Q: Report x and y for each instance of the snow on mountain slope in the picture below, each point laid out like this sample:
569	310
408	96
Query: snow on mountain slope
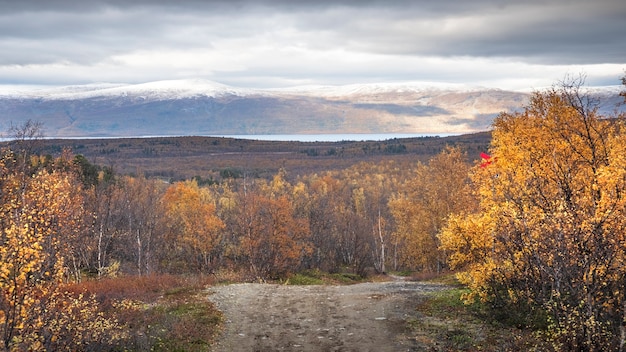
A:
159	90
376	88
201	107
178	89
187	88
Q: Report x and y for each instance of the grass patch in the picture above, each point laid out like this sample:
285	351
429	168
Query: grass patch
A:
445	323
162	312
185	326
304	279
447	304
404	273
346	278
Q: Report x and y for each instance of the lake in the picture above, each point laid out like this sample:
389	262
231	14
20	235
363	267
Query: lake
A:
336	137
331	137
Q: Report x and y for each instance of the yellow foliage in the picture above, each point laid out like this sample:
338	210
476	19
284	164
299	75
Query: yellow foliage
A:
68	323
192	219
550	230
426	200
39	215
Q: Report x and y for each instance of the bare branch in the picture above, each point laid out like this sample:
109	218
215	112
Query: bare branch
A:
25	136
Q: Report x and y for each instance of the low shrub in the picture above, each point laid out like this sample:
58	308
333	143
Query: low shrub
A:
304	279
446	321
161	312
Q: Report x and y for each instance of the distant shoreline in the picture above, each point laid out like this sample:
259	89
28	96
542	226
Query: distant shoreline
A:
333	137
324	137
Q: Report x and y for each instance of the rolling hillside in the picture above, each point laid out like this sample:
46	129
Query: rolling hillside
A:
199	107
175	158
194	107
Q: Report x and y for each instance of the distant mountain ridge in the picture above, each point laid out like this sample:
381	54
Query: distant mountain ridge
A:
200	107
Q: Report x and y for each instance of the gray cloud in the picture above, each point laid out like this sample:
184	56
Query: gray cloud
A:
239	37
584	32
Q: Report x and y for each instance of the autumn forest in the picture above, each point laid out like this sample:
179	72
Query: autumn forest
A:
535	225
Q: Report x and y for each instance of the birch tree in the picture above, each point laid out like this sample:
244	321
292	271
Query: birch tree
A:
550	235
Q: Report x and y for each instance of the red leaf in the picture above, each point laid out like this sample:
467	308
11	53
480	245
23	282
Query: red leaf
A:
487	160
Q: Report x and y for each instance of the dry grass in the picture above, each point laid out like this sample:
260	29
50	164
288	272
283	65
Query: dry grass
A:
445	323
144	288
162	312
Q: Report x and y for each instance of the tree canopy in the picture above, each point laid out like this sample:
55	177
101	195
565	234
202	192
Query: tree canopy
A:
549	235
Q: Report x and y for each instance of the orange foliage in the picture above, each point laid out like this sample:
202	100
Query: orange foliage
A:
273	240
550	232
425	202
192	221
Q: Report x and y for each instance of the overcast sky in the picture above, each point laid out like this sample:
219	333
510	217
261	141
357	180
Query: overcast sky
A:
263	44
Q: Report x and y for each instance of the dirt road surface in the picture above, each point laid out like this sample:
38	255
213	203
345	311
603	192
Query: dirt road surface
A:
361	317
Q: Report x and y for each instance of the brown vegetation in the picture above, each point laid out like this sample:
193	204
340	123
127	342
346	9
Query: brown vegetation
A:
90	222
212	159
539	240
159	312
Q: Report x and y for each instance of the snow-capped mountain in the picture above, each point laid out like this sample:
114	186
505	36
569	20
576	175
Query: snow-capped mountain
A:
159	90
377	88
200	107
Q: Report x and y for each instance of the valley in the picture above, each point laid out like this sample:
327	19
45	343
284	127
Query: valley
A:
214	158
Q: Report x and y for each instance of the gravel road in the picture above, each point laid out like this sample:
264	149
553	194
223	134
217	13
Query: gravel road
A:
361	317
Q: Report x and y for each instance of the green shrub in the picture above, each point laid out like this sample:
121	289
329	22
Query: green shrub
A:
307	277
